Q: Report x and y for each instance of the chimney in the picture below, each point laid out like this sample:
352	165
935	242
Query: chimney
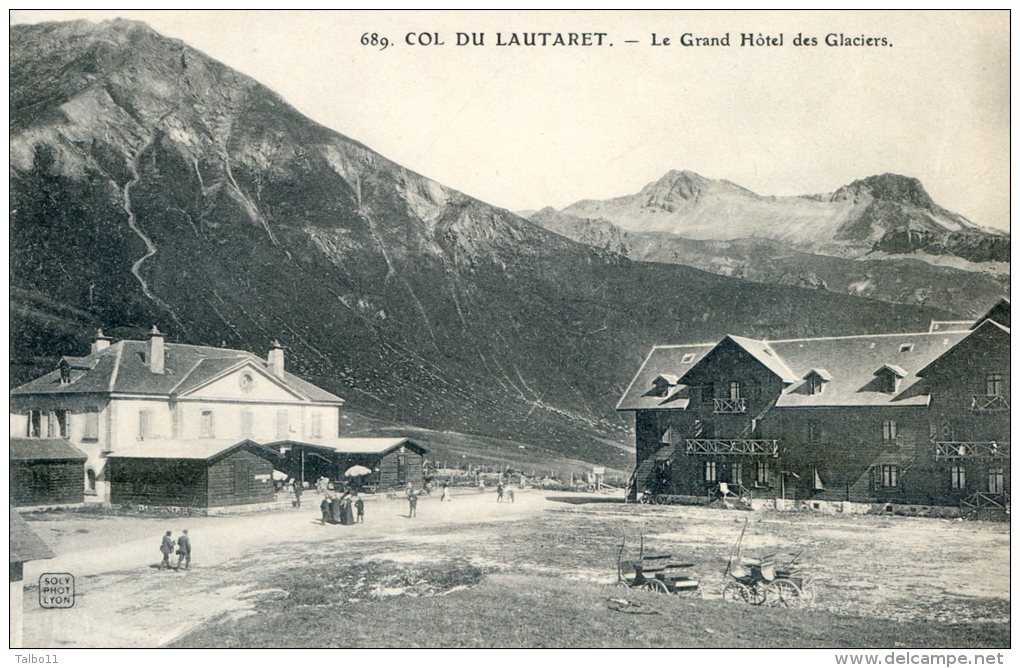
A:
102	342
155	355
275	358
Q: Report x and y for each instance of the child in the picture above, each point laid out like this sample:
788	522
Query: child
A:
359	505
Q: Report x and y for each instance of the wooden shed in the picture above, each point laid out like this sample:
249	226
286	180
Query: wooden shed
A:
394	462
46	472
25	546
192	474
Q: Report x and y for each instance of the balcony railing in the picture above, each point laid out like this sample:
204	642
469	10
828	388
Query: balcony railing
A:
986	500
971	449
733	446
989	403
723	405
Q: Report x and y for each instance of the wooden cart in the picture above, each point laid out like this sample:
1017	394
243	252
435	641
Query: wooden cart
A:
656	572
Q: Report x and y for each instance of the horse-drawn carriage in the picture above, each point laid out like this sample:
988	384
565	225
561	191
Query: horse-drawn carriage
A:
656	572
763	581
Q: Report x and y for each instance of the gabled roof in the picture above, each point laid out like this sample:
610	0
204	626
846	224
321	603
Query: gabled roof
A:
355	446
759	350
661	360
821	373
25	544
27	449
986	328
999	312
121	368
201	449
669	378
850	362
897	371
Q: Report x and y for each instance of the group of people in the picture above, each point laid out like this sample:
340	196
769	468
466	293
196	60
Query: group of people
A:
166	547
504	493
342	508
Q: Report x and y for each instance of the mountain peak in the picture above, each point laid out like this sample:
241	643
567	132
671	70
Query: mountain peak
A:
888	187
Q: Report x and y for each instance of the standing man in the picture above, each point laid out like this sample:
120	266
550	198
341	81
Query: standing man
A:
297	493
184	551
325	507
499	492
359	506
166	547
412	502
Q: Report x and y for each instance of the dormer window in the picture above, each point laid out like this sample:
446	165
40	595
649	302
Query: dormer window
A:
889	377
906	347
816	380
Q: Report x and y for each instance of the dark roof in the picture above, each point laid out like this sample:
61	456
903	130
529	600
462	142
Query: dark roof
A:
356	445
850	361
25	545
988	328
26	449
999	313
202	449
121	368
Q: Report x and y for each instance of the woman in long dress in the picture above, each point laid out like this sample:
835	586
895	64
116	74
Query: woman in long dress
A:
334	509
347	510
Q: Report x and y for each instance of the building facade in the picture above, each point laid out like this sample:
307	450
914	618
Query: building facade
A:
918	418
154	394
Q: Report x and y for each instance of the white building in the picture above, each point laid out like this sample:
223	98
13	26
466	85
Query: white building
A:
129	392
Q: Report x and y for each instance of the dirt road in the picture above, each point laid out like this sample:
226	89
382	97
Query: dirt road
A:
880	567
123	600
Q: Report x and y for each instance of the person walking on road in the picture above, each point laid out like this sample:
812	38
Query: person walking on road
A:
412	502
167	548
445	496
184	551
499	492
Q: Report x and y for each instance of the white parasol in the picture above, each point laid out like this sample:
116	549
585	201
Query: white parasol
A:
357	471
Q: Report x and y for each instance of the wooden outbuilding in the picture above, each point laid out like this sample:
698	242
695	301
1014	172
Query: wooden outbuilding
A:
200	474
46	472
394	462
25	546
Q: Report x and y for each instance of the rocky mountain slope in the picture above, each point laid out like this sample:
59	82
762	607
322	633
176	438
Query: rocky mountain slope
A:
881	237
152	184
900	279
888	212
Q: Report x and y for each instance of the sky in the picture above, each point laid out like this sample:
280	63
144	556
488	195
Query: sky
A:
527	127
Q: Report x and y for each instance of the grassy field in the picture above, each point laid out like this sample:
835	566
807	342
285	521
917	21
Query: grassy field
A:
547	580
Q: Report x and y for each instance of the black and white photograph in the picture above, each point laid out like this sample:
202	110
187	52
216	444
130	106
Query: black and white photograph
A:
510	330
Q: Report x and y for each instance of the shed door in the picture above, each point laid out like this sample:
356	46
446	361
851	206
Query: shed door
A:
242	478
401	469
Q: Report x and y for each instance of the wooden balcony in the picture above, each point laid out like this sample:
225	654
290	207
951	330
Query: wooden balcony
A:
989	403
986	500
971	450
761	447
724	405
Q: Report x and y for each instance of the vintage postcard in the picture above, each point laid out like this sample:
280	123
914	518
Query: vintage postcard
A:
518	329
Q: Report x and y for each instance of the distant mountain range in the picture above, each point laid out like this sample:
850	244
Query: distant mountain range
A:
152	184
881	237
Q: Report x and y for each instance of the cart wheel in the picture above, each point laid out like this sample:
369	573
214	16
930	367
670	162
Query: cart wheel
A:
783	593
657	586
735	592
807	592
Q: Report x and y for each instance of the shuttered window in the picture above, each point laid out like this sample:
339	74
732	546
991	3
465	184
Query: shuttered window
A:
889	431
710	472
994	384
996	480
144	424
247	423
762	473
890	475
957	477
91	430
206	429
737	473
282	424
401	469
